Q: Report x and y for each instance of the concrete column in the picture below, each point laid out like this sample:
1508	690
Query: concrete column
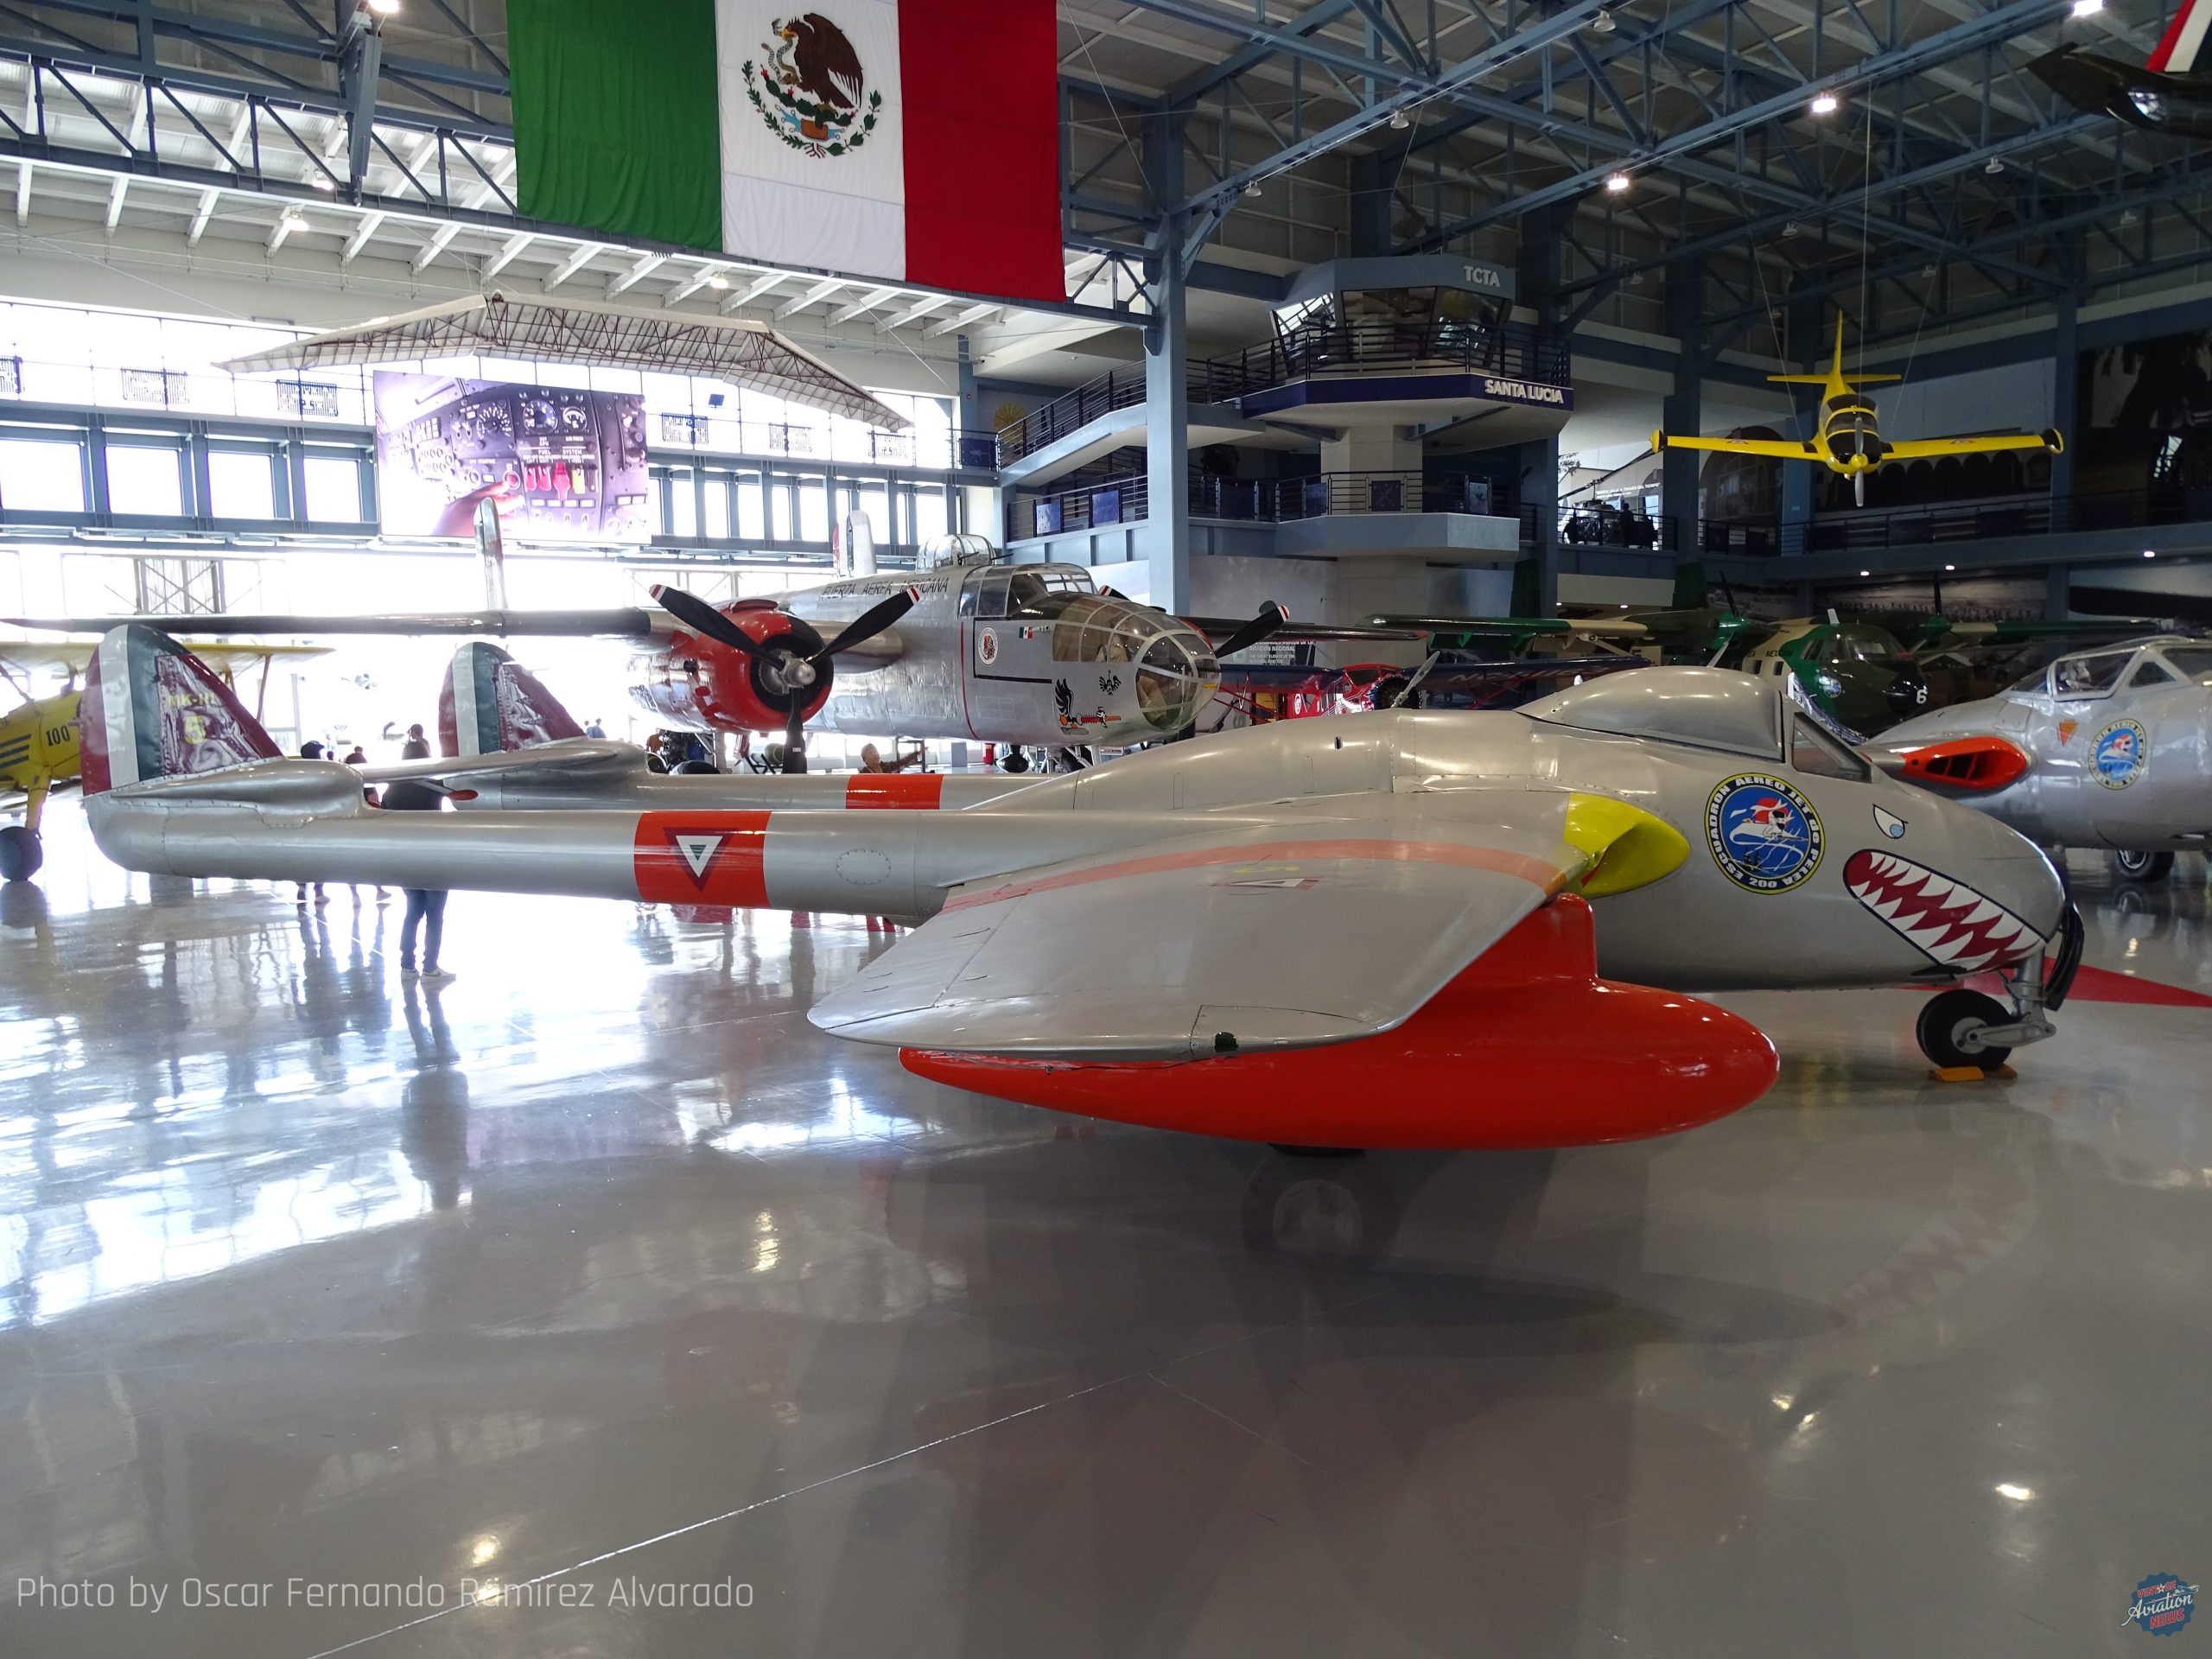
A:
1681	411
1540	495
1166	428
2058	592
1796	505
2064	398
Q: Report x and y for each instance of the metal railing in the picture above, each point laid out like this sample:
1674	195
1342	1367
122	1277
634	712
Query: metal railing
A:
1939	524
1520	350
1254	500
1516	350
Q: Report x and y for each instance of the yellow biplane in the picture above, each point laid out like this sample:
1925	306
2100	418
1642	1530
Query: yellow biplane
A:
38	738
1851	442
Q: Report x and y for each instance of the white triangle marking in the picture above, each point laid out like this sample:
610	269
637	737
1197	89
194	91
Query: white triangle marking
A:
698	852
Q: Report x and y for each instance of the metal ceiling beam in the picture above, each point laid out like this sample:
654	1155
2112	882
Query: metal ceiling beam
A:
1675	153
1414	88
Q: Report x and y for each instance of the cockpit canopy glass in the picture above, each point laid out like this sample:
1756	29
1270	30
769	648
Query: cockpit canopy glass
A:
2191	662
1014	593
1708	707
2090	675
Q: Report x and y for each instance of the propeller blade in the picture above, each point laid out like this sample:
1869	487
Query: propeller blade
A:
795	737
868	624
704	619
1271	617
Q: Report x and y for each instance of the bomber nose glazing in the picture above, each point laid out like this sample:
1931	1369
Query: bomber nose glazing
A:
1174	669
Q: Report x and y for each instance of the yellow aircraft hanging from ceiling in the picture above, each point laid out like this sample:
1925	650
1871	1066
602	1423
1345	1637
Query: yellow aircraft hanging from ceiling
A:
38	738
1851	442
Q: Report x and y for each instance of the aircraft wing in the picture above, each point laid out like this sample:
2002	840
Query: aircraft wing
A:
1934	449
1316	931
616	624
1780	448
1217	628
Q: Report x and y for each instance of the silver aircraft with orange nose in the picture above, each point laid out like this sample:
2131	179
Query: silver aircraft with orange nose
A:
1242	935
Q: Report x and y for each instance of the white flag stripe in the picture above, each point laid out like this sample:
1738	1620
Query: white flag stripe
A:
785	197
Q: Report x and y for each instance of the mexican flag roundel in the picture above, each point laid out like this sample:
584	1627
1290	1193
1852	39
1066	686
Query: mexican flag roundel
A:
916	141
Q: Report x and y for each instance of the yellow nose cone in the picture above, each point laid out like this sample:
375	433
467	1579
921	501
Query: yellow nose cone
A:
1626	846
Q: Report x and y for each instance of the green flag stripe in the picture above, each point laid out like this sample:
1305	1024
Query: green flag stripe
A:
617	122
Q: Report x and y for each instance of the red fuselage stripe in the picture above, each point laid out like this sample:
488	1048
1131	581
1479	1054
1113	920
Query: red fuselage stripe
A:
921	793
1535	871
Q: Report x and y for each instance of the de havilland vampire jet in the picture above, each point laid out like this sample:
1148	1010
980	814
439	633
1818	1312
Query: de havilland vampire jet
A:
2107	748
1023	654
1383	929
1851	443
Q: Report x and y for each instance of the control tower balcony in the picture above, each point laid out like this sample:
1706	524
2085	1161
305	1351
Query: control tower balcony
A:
1362	350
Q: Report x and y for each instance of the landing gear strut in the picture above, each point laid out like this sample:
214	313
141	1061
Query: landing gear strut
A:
1962	1028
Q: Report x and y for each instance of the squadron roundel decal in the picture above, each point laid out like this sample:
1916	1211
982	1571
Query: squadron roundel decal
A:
1764	836
986	647
2120	753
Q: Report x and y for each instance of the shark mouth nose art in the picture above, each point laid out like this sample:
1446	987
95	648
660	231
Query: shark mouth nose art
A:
1950	921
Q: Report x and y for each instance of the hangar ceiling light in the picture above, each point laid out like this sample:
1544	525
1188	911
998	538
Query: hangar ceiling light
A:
749	354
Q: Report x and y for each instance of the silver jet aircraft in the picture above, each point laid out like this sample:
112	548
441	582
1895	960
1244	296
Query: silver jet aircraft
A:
2107	748
1404	898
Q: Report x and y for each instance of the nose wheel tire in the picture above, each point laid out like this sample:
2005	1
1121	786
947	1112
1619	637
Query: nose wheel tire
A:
22	853
1947	1026
2144	867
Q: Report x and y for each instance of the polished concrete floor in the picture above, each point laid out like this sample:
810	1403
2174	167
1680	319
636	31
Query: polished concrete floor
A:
600	1286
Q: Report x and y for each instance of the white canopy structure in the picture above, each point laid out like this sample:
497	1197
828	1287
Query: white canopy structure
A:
748	355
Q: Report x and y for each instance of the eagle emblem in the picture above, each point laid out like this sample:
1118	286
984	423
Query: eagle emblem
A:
810	87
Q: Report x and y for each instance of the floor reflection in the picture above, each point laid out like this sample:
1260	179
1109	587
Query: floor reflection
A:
305	1269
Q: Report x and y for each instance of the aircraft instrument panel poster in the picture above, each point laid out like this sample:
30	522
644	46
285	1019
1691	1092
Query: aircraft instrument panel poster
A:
560	463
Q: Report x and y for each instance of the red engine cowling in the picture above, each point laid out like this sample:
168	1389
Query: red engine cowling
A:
707	686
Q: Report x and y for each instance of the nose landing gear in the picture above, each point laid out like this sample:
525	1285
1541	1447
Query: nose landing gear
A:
1965	1028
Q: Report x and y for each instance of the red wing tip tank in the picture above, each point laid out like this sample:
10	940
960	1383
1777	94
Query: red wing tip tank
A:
1479	1065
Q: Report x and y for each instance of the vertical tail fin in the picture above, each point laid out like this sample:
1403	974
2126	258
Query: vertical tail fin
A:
2183	41
491	703
152	709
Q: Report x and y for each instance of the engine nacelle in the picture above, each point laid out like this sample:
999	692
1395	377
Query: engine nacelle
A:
702	685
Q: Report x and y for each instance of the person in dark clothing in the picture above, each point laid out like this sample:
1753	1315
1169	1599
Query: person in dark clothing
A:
426	906
416	747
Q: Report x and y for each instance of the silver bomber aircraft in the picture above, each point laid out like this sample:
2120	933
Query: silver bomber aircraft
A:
1021	654
2117	745
1373	930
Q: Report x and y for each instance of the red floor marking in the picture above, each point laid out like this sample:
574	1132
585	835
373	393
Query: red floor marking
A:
2103	985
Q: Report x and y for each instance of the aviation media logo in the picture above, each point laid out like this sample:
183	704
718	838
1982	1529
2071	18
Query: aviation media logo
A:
1764	836
2161	1605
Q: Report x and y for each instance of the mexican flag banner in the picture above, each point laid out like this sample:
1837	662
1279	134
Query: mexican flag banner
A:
917	141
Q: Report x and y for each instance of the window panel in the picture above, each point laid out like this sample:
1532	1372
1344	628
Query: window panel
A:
752	511
813	510
779	511
682	504
929	516
241	485
38	475
143	479
333	489
718	506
